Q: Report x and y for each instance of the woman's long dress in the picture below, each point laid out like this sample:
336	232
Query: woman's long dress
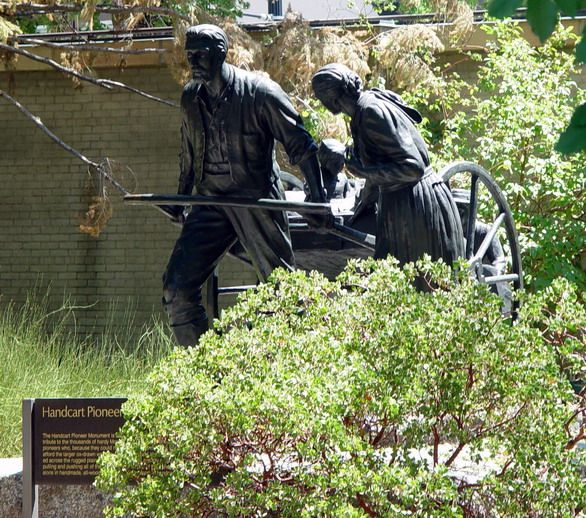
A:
416	213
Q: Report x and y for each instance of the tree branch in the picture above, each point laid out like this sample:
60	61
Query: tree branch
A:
436	442
363	504
502	472
502	423
30	9
379	435
465	486
104	83
99	168
571	444
47	131
580	410
85	47
455	454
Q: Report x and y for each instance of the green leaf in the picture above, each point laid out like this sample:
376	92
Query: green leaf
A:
581	48
573	139
503	8
542	15
568	7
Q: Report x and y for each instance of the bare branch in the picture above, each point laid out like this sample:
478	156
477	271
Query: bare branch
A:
379	435
436	443
455	454
502	423
465	486
104	83
571	444
580	410
47	131
32	9
363	504
84	47
99	168
502	472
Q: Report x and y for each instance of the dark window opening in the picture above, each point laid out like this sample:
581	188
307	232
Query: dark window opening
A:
276	7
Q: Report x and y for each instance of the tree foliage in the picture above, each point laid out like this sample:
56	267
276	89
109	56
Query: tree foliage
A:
361	397
508	121
71	16
543	16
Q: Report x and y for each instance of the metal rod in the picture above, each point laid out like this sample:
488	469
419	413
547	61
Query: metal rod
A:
493	279
79	46
235	289
30	491
212	295
299	227
353	235
472	217
488	238
28	9
224	201
348	233
342	231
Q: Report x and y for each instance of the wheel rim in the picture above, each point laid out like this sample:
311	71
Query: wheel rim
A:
504	217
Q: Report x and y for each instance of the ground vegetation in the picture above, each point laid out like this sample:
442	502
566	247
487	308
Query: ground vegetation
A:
362	397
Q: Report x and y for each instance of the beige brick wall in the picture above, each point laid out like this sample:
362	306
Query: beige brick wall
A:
45	191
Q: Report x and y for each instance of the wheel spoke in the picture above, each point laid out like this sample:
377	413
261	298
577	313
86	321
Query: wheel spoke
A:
472	216
493	279
516	277
480	253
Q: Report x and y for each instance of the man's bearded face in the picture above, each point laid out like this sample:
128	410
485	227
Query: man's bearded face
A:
205	60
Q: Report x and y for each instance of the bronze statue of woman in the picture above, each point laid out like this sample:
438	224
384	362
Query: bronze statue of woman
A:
416	212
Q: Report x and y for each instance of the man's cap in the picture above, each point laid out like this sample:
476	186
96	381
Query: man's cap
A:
206	31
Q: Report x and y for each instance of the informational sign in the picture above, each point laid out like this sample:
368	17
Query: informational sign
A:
68	435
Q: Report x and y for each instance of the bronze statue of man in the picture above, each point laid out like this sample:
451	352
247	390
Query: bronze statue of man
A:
416	212
230	120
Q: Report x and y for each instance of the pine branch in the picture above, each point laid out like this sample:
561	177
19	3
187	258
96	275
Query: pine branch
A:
104	83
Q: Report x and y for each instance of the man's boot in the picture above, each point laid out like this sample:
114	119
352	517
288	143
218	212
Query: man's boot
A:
187	335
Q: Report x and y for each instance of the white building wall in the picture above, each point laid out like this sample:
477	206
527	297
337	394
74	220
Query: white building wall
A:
313	9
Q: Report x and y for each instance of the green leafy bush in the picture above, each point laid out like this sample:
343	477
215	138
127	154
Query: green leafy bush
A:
543	18
362	397
508	122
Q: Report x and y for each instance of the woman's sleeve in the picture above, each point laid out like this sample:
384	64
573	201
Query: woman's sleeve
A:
388	137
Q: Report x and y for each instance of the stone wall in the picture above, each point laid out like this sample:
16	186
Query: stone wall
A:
46	191
53	501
